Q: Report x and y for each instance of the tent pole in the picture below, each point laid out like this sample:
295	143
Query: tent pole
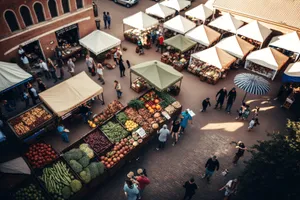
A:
244	97
102	98
130	79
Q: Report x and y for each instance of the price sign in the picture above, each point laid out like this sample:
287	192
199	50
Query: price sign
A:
191	112
141	132
166	115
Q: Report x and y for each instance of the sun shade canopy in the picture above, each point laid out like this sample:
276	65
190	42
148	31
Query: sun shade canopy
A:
140	21
179	24
268	57
176	4
11	75
203	35
158	74
160	10
200	12
292	73
290	42
70	94
215	57
99	41
252	84
180	42
235	46
255	31
227	23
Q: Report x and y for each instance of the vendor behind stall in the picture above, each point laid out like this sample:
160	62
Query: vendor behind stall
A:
63	132
85	112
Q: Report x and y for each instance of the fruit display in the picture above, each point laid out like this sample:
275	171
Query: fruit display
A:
131	125
114	131
141	117
151	101
31	192
122	117
30	120
97	141
59	181
196	66
40	154
158	118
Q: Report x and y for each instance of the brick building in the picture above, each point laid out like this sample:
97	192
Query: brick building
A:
41	25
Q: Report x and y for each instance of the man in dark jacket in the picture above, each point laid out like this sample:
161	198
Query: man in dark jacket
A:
205	103
220	97
230	99
211	165
190	187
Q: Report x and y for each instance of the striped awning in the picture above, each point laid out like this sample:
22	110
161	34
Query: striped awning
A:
251	83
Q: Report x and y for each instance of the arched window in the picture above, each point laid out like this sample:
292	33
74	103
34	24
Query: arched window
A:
52	8
79	4
39	12
25	13
65	5
11	20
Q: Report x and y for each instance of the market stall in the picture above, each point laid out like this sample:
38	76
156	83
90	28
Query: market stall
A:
177	4
177	24
211	64
266	62
179	49
200	14
255	33
160	12
142	25
288	44
101	44
204	36
292	73
33	52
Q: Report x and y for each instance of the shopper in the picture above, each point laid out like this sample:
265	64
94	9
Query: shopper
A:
190	189
42	87
105	20
60	65
230	100
142	180
119	53
45	68
90	63
241	111
131	190
240	153
26	98
220	97
160	43
108	20
71	67
246	112
128	64
63	133
21	51
52	69
175	129
121	67
100	69
254	122
211	166
185	119
116	58
153	36
230	188
25	62
162	137
118	89
205	104
140	46
32	93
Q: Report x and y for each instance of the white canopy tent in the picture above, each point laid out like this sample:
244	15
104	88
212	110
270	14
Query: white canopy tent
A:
176	4
99	41
215	57
255	30
140	21
227	23
160	11
235	46
200	12
203	35
292	73
179	24
289	41
269	58
209	4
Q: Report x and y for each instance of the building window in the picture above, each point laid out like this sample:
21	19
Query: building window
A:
65	5
39	12
52	8
11	20
79	4
25	13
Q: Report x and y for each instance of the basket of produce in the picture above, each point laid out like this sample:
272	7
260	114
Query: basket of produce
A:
113	131
139	119
98	141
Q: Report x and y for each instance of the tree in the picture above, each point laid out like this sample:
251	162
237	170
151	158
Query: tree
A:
273	172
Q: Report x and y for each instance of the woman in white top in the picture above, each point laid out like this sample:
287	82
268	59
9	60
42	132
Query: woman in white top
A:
71	66
118	89
99	70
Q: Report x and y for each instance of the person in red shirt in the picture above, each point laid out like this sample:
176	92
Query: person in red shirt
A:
142	180
160	43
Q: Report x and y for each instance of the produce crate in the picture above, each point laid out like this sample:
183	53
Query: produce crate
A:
117	166
113	119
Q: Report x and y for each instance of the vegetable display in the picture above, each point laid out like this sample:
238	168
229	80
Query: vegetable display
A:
98	142
131	125
122	117
140	117
40	154
30	192
135	104
115	132
87	150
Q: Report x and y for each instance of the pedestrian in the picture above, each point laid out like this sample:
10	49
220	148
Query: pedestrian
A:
230	100
254	122
90	63
220	97
142	180
60	65
119	53
116	58
241	111
105	20
175	129
42	87
163	136
21	51
32	93
256	111
118	89
160	43
58	52
240	153
211	166
63	133
185	119
131	190
45	68
52	69
230	188
85	112
100	69
246	112
25	62
71	67
153	36
128	64
190	189
108	20
121	67
26	98
205	103
140	46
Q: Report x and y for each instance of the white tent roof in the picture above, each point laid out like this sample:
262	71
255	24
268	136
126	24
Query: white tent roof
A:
289	41
235	46
293	69
227	22
203	35
215	57
255	30
140	21
200	12
99	41
268	57
176	4
160	10
209	4
11	74
179	24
